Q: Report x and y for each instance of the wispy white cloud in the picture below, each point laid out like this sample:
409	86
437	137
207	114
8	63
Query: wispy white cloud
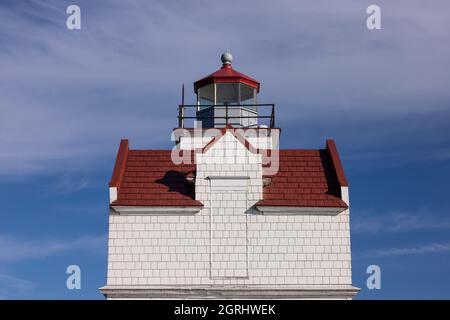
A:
436	154
418	250
67	97
13	248
12	287
68	183
396	222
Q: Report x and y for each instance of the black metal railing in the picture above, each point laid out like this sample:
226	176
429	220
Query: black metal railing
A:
266	114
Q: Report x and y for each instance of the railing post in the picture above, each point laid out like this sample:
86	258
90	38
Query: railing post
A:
180	116
226	113
272	118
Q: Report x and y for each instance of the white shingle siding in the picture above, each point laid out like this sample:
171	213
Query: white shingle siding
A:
189	143
259	139
285	249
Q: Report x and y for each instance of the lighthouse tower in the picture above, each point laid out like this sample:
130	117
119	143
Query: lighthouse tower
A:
226	213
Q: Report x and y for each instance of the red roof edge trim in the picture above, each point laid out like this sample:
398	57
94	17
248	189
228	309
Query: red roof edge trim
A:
235	133
119	167
226	74
209	144
332	150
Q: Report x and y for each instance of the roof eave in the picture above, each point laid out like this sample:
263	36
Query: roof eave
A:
211	79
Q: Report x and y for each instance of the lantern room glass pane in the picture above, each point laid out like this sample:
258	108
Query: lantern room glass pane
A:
248	95
206	95
227	93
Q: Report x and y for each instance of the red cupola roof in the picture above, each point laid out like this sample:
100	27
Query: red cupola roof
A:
226	74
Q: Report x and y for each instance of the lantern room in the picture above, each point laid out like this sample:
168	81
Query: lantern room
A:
226	86
227	97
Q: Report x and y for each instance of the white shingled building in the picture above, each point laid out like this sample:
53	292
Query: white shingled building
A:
226	213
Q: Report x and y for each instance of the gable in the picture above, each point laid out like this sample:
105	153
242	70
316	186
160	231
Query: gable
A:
229	148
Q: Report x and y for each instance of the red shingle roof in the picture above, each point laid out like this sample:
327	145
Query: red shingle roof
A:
150	178
306	178
226	74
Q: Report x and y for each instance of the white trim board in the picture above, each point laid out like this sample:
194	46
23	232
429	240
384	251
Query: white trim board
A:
147	210
112	194
281	210
230	292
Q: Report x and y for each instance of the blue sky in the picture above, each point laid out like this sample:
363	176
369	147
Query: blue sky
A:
68	97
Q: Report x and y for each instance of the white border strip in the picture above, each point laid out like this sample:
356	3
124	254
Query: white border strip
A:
147	210
280	210
231	292
112	194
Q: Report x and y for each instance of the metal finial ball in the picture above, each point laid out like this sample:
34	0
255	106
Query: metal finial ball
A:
226	58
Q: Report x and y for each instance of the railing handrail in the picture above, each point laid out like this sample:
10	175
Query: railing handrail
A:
229	105
182	117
